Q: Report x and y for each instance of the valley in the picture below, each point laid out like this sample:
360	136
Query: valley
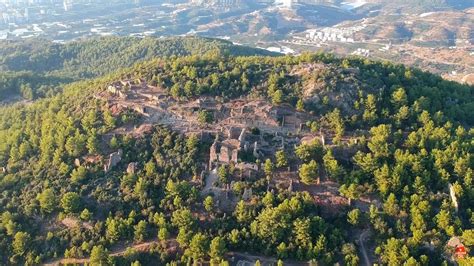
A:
390	30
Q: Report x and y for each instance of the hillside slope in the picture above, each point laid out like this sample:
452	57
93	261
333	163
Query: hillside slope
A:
93	57
53	64
290	157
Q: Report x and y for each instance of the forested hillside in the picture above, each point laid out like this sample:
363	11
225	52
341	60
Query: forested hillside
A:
29	85
36	63
396	135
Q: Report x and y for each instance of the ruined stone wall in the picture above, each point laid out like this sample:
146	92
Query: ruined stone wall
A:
292	121
233	132
235	156
213	153
225	155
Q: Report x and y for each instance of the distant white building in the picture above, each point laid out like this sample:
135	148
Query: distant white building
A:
361	52
285	3
67	4
228	3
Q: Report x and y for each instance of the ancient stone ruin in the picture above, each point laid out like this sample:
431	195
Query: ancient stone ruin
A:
247	170
88	161
227	151
120	89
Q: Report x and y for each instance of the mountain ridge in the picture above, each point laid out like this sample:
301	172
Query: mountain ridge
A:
52	64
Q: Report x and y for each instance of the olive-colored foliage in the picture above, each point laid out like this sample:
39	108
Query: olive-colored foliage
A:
71	202
309	172
412	142
37	68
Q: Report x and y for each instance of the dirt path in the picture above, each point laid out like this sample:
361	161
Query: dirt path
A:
363	250
116	252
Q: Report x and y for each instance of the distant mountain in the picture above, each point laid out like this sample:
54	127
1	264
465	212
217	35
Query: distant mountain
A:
93	57
53	64
424	5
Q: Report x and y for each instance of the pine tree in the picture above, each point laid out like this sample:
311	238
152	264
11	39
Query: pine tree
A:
217	249
309	172
281	159
47	200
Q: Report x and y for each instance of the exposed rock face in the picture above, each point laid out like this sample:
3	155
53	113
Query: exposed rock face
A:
452	194
131	168
114	159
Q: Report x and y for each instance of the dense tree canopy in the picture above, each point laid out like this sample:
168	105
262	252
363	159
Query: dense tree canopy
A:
397	135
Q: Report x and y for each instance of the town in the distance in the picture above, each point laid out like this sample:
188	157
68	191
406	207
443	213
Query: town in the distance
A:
435	37
237	132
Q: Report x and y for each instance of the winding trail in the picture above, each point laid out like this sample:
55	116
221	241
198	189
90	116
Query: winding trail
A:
362	239
116	252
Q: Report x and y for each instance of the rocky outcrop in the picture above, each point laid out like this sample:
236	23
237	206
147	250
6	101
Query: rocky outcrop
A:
131	168
454	199
114	159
